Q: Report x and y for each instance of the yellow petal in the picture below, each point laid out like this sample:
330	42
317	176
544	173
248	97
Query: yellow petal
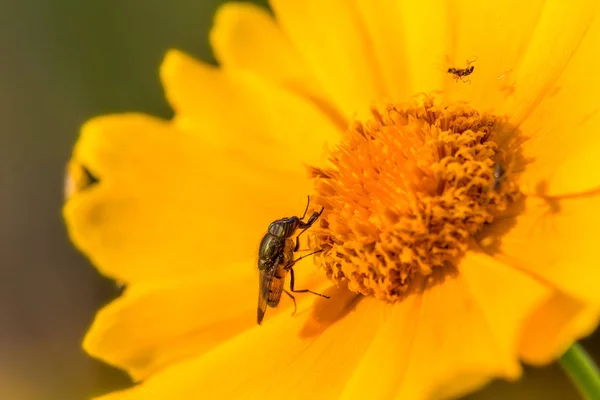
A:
462	333
427	42
557	37
555	326
264	125
467	320
558	106
384	24
449	37
338	50
495	39
159	189
555	240
156	324
276	360
245	36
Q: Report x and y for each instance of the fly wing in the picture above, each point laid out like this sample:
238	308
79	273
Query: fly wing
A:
264	287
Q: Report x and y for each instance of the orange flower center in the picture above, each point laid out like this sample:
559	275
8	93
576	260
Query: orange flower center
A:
405	193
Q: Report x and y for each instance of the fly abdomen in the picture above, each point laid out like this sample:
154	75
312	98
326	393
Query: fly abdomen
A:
276	289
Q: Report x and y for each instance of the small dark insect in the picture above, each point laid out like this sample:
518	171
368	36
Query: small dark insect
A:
499	172
276	258
461	73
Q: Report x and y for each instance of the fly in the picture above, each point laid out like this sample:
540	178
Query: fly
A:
276	258
461	73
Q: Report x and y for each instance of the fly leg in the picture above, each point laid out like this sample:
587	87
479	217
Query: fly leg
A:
293	299
305	225
291	265
297	246
472	61
301	290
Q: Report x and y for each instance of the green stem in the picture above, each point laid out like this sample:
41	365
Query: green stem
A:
582	371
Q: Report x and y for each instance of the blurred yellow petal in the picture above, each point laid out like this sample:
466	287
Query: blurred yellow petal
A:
427	37
189	317
452	339
159	188
257	362
557	37
240	111
425	330
553	239
550	331
246	37
562	121
383	23
338	50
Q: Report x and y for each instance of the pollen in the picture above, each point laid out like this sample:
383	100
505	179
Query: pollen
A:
404	193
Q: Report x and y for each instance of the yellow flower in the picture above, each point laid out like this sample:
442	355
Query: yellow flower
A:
467	217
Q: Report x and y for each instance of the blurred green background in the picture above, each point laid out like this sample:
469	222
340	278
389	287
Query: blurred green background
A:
64	62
